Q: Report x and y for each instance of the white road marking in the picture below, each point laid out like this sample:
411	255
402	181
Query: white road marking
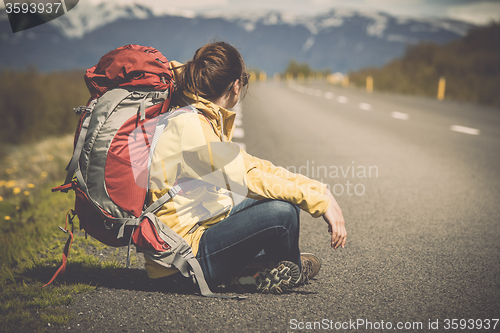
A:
239	133
342	99
463	129
400	115
328	95
365	106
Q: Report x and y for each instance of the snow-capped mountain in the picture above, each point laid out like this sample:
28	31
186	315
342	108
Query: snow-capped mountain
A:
86	17
341	40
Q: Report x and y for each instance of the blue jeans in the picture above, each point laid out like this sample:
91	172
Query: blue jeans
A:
255	230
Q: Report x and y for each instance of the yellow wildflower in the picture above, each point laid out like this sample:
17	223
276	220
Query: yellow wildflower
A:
44	174
26	193
16	190
11	183
7	217
1	198
50	157
2	183
30	185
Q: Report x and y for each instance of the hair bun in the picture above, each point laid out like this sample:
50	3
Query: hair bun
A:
212	70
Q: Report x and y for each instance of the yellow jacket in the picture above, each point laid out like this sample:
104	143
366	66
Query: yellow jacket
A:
195	150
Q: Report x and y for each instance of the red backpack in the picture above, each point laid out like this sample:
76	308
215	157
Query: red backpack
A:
130	89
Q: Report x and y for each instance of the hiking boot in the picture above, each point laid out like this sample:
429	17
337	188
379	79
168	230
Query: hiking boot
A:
310	267
277	280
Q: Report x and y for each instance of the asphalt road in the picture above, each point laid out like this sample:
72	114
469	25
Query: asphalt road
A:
422	215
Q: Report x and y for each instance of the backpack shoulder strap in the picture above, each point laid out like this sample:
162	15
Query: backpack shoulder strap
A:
73	163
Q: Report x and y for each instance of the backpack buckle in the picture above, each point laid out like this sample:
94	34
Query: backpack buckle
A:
79	110
160	95
85	109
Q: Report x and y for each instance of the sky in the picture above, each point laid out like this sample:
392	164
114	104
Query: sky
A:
473	11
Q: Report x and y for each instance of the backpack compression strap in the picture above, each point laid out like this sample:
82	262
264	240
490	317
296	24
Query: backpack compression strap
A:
183	257
69	218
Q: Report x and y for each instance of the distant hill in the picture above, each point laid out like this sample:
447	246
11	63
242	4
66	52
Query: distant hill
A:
340	40
471	67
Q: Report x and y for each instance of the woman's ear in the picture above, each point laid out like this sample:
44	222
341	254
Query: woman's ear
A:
237	87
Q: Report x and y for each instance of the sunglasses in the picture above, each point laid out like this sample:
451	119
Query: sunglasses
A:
244	81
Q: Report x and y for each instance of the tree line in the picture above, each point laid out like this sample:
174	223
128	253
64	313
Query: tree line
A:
470	65
301	69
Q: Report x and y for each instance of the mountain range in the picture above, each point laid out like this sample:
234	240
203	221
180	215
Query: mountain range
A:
339	40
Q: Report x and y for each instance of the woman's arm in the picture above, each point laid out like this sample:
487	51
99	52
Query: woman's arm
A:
258	178
336	224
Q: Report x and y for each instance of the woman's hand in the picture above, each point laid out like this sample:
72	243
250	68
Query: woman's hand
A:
336	223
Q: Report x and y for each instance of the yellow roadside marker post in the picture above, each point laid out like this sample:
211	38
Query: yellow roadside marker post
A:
369	83
331	79
345	81
441	88
262	76
253	78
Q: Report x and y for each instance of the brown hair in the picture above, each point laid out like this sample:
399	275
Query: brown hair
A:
212	70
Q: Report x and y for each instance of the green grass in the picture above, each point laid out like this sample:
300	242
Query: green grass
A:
31	242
